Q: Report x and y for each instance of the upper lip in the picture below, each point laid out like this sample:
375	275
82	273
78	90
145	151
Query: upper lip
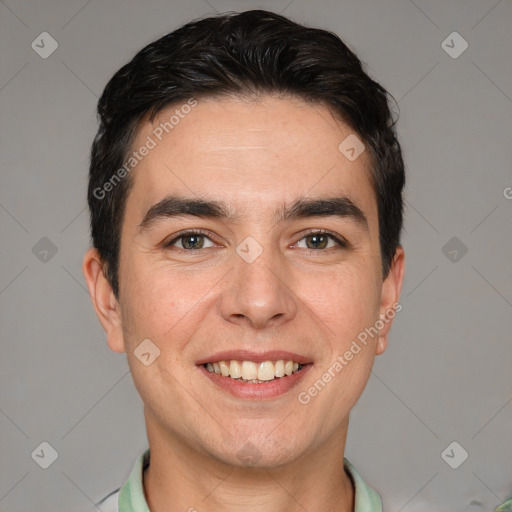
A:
257	357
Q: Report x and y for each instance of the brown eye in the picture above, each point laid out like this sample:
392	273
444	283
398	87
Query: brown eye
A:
192	241
319	240
189	241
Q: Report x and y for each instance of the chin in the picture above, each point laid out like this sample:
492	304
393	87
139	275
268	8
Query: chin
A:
263	453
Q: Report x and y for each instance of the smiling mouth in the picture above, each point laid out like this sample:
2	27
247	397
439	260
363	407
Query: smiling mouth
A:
252	372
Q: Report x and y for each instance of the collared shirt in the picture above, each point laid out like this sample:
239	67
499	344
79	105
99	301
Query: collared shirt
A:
131	498
505	507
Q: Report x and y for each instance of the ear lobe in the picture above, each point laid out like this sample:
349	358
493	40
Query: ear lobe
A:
103	299
390	305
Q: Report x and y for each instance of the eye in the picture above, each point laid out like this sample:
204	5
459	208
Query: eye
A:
316	240
190	240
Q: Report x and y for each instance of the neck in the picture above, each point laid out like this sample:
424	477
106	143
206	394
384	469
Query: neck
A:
181	479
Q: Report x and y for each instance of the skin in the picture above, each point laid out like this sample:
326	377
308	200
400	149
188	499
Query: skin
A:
255	156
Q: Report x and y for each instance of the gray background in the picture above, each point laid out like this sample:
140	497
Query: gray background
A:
446	375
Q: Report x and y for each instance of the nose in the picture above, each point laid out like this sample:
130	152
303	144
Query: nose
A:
259	294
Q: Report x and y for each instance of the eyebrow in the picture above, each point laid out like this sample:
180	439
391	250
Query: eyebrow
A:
177	206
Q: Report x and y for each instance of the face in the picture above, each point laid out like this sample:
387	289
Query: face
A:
249	240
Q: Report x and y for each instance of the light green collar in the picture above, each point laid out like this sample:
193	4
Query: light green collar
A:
505	507
132	499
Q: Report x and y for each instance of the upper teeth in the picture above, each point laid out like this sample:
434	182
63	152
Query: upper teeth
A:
249	370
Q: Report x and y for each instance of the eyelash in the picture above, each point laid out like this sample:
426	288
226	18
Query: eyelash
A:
339	240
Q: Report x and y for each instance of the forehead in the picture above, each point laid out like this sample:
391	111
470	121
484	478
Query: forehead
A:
272	150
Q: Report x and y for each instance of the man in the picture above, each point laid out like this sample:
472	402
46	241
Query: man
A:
246	207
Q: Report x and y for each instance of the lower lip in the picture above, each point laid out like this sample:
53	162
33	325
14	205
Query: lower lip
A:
270	389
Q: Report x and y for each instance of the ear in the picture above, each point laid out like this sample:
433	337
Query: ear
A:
390	305
103	299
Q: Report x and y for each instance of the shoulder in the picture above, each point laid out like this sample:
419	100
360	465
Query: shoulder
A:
109	503
366	498
505	507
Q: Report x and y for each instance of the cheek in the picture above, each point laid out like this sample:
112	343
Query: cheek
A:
164	305
346	302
